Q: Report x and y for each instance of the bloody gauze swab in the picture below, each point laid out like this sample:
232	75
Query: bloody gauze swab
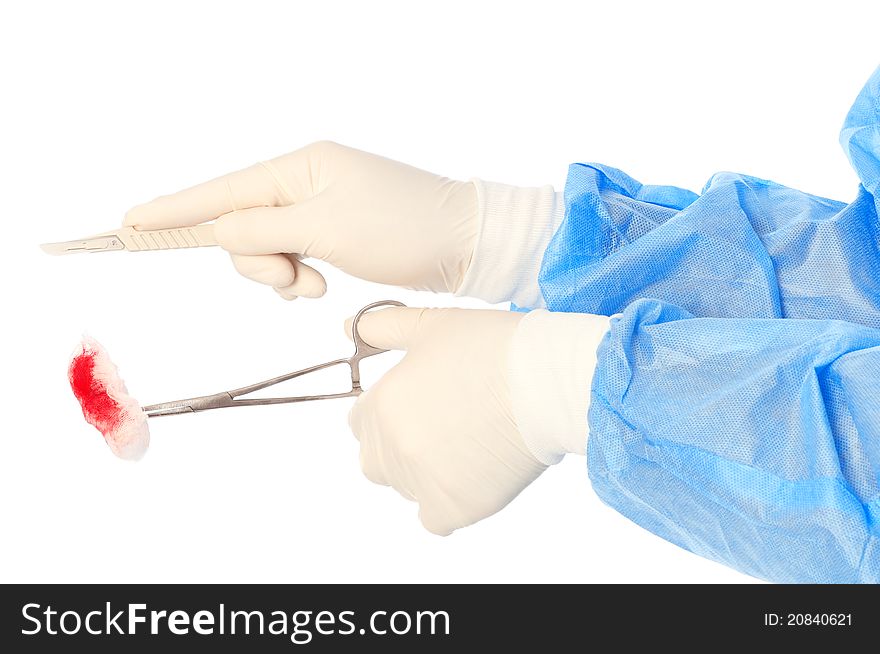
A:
105	401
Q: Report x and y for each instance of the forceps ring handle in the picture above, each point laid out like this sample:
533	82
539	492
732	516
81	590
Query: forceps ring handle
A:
362	349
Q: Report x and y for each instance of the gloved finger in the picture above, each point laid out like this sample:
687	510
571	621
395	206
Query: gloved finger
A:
255	186
289	276
284	295
433	523
300	228
307	281
370	465
434	512
362	420
394	328
274	270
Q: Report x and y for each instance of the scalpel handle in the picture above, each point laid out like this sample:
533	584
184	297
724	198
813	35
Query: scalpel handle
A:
136	240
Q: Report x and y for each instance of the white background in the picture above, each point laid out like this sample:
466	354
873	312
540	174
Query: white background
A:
105	105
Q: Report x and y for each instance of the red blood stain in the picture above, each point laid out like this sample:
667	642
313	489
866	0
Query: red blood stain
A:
98	407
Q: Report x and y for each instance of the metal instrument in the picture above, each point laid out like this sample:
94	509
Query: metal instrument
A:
224	399
137	240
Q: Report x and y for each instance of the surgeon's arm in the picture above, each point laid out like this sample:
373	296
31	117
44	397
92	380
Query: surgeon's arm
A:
749	442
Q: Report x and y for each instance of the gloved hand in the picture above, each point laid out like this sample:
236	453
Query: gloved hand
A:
374	218
482	402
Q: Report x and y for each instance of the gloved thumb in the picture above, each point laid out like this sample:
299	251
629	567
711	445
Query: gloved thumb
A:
395	328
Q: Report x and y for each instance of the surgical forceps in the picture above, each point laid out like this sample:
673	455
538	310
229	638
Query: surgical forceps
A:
362	350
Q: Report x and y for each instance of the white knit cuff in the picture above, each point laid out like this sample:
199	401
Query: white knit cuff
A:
516	225
550	372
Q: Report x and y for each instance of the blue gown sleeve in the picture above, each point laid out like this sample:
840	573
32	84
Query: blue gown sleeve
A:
752	442
860	136
746	439
743	247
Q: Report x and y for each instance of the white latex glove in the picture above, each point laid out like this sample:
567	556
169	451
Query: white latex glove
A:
371	217
445	426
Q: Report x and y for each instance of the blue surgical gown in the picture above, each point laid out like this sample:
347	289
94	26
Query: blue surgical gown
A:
735	407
